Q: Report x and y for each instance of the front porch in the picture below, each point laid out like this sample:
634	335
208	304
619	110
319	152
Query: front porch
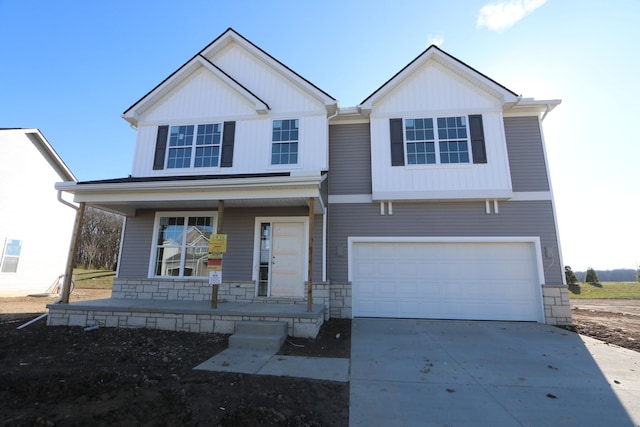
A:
185	315
185	305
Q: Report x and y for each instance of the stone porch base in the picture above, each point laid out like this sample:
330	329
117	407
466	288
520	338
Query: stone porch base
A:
188	316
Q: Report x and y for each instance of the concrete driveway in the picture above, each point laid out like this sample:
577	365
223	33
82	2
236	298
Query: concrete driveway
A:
463	373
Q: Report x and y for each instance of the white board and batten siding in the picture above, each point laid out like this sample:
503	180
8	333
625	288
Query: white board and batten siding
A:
204	97
434	91
446	279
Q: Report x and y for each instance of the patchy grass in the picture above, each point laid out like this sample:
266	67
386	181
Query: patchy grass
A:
93	279
606	290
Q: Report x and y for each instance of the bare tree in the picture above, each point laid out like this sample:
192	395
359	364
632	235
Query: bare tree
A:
99	239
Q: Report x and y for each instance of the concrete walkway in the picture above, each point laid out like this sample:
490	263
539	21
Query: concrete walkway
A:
462	373
269	363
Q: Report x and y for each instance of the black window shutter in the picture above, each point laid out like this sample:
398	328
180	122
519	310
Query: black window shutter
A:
477	139
161	148
228	136
397	142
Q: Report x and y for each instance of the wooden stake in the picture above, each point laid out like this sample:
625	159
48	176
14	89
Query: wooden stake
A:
214	290
75	237
310	267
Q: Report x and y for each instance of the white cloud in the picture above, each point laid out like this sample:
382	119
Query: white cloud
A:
435	39
498	16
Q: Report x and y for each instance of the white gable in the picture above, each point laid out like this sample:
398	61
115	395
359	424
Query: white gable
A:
274	86
433	87
201	95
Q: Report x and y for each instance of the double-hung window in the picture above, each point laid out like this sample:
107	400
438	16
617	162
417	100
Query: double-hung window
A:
192	146
181	244
447	143
284	142
10	256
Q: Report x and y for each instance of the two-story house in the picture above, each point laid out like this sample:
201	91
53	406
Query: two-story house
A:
430	199
31	263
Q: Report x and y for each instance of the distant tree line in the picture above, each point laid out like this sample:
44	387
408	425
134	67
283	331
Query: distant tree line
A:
591	275
99	240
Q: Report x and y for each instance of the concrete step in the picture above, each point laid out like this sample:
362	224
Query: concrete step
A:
255	335
256	342
257	327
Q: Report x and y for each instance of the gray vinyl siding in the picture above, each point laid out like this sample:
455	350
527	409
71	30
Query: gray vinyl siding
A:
526	154
136	245
465	219
238	224
349	159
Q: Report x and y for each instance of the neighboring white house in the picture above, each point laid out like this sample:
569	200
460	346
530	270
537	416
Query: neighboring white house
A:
35	228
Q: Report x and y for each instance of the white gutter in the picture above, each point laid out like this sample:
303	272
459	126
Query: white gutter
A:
232	183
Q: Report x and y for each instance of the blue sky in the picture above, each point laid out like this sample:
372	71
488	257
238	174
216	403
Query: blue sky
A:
70	68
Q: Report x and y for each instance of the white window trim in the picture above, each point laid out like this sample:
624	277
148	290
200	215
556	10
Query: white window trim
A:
3	255
256	245
285	166
154	246
436	142
193	147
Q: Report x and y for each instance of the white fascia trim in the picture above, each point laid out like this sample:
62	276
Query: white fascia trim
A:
350	198
229	189
230	183
531	196
443	195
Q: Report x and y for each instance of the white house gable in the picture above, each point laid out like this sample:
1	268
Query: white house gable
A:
434	88
245	94
201	96
270	84
430	107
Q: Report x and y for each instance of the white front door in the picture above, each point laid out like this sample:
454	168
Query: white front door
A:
280	249
287	274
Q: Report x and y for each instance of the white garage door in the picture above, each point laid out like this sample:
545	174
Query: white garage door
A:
479	281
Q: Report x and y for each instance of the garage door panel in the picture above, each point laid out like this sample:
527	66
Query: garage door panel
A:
496	281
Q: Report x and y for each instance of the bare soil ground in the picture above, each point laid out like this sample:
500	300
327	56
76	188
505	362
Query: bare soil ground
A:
612	321
64	376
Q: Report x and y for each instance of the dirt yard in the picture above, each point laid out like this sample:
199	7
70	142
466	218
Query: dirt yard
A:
612	321
51	376
64	376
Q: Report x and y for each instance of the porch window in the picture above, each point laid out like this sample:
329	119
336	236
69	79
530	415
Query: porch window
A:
10	255
181	245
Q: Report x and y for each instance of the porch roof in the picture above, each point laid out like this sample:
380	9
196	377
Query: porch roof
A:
125	195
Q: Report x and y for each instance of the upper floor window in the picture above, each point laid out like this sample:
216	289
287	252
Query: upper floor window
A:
450	144
10	256
284	147
185	151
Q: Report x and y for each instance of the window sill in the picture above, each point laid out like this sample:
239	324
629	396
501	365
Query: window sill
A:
440	166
